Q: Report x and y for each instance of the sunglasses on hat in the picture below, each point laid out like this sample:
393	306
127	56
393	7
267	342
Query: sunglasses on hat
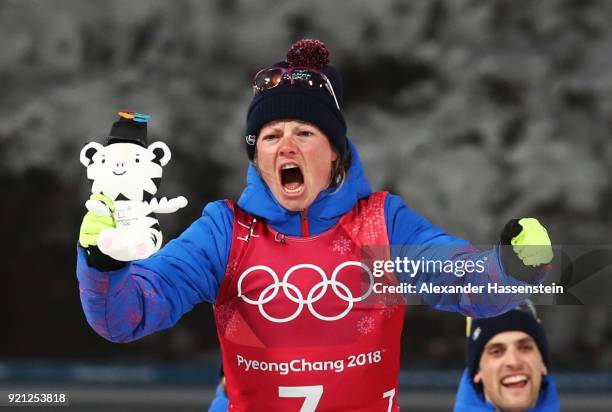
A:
271	77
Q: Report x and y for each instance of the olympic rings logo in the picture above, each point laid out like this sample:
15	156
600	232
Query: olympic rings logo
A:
314	295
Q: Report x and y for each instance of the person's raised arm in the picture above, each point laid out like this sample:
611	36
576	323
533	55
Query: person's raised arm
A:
448	261
125	301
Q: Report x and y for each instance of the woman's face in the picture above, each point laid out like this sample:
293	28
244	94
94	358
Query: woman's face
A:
295	159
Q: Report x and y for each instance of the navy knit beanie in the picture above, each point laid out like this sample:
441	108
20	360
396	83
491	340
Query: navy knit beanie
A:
523	318
312	105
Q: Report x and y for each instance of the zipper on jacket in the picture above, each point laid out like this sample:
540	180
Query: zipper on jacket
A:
304	220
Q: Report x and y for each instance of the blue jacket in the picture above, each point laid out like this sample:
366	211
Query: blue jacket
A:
220	402
468	400
152	294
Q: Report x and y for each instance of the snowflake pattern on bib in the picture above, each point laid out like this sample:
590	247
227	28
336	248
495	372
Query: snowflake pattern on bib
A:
370	224
342	245
366	325
231	268
226	319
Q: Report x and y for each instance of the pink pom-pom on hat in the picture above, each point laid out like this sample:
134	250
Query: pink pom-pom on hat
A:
309	53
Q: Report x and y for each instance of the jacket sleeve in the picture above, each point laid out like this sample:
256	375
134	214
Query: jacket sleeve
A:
414	238
152	294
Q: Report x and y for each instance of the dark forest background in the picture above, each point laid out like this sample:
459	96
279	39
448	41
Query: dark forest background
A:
474	111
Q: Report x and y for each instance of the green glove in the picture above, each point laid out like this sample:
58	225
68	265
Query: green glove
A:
98	218
532	244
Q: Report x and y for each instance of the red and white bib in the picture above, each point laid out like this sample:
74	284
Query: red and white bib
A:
299	324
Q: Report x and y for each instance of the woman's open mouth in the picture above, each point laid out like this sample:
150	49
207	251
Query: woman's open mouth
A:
291	178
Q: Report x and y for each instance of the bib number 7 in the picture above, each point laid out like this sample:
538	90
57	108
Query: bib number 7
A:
312	395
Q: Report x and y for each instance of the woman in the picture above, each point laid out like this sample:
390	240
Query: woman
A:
298	320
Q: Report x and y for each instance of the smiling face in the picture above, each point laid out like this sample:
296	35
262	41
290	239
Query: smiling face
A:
125	168
295	159
511	370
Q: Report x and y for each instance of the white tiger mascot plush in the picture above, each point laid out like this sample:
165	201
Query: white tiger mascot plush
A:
129	173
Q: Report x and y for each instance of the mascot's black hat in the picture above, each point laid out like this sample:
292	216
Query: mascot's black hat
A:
130	128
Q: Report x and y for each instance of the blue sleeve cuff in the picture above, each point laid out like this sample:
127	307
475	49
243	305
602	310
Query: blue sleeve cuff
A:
96	281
